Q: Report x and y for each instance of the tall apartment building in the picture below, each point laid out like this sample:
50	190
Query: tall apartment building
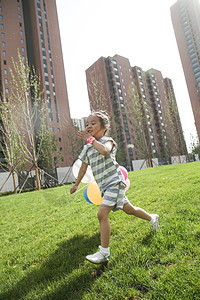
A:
32	27
79	123
114	85
185	16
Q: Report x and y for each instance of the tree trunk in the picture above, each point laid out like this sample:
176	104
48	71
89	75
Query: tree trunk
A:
150	165
14	182
179	158
37	177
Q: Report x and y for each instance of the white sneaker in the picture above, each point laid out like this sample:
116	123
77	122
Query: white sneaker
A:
98	257
154	222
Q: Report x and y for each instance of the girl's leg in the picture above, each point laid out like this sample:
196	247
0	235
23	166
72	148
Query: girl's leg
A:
136	211
104	225
103	255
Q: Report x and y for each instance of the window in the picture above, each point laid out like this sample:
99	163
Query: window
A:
5	63
59	139
6	91
18	7
2	35
5	71
6	80
22	41
19	16
3	44
4	53
2	27
22	49
21	32
1	17
20	24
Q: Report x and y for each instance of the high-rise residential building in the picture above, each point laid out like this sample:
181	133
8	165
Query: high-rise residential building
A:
32	27
186	22
79	123
142	106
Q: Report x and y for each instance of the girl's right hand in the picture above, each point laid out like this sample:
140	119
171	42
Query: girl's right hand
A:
73	189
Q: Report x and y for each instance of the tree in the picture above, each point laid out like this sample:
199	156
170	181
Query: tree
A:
139	114
175	141
48	150
98	100
195	145
13	154
28	112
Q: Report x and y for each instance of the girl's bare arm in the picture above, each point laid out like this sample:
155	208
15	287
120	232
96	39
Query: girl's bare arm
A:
81	174
104	149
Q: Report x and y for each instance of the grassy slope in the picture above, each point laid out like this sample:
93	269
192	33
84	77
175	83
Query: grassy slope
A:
45	236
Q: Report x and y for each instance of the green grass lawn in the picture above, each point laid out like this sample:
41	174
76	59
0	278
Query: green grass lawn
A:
45	236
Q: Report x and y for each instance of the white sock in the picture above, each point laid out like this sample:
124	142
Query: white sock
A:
105	250
150	222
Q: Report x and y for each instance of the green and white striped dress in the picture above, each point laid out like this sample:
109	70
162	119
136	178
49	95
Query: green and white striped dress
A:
107	174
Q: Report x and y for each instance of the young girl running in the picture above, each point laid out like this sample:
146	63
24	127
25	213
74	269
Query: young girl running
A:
100	153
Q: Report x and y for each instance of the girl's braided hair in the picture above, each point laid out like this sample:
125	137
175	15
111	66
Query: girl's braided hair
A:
103	117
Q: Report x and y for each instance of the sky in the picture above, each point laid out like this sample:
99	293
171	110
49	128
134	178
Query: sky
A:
141	31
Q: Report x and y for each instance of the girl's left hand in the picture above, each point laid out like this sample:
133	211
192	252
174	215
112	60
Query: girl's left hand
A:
84	135
73	189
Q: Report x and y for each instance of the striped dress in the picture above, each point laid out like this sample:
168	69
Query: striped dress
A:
107	173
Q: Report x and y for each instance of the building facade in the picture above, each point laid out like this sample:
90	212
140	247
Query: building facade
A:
79	123
185	16
31	26
143	122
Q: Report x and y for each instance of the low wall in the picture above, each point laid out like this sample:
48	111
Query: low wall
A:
140	164
8	186
65	175
175	159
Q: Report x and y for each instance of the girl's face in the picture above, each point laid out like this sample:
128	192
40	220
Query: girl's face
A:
94	127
